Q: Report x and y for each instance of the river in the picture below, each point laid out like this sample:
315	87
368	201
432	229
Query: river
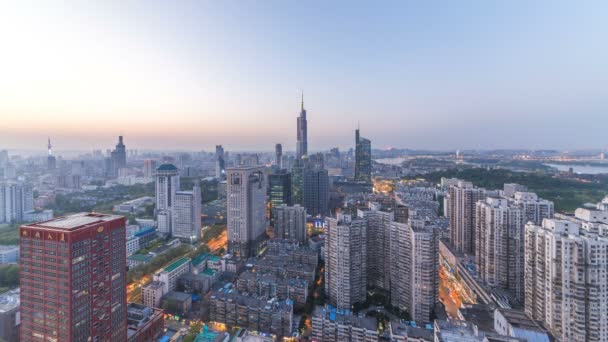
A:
586	169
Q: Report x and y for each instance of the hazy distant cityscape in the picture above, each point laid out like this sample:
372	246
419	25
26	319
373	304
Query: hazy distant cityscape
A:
303	171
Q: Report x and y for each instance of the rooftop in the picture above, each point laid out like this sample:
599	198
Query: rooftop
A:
176	264
166	167
179	296
140	257
9	300
75	221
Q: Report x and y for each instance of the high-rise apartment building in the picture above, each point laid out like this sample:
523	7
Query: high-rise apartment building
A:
290	222
499	236
316	191
149	168
16	198
461	207
378	246
302	134
414	265
246	209
167	184
278	151
363	158
566	286
345	261
73	279
297	183
186	214
119	157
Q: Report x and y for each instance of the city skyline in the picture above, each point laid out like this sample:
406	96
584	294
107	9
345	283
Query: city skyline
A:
205	73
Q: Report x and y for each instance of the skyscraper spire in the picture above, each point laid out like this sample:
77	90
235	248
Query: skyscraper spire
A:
302	99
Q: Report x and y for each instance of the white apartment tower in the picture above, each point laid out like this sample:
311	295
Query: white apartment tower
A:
246	209
167	184
186	214
345	258
290	222
15	199
414	282
461	207
566	276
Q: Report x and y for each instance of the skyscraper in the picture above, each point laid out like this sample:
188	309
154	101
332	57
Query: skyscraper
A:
220	163
302	145
186	214
167	184
462	198
246	209
290	222
51	162
345	261
73	279
279	189
378	246
119	156
278	151
297	183
316	191
363	158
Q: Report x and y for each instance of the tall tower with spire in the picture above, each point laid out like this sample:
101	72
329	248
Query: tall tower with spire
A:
302	146
51	162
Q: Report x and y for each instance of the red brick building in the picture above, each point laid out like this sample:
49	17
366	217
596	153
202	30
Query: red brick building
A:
73	279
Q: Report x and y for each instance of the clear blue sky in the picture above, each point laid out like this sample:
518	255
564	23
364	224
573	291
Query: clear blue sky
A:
418	74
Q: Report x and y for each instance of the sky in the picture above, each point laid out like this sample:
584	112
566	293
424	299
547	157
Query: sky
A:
413	74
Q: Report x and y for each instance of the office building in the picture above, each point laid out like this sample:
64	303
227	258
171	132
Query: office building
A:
316	192
170	274
345	261
278	152
297	183
363	158
10	318
220	162
81	259
279	189
149	168
462	198
290	222
186	214
566	287
118	157
331	324
9	254
167	184
16	199
302	134
246	209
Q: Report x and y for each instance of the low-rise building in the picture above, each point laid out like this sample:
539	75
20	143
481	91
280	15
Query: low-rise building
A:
138	259
252	312
132	245
406	331
177	302
144	323
9	316
171	273
271	285
331	324
199	282
152	294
